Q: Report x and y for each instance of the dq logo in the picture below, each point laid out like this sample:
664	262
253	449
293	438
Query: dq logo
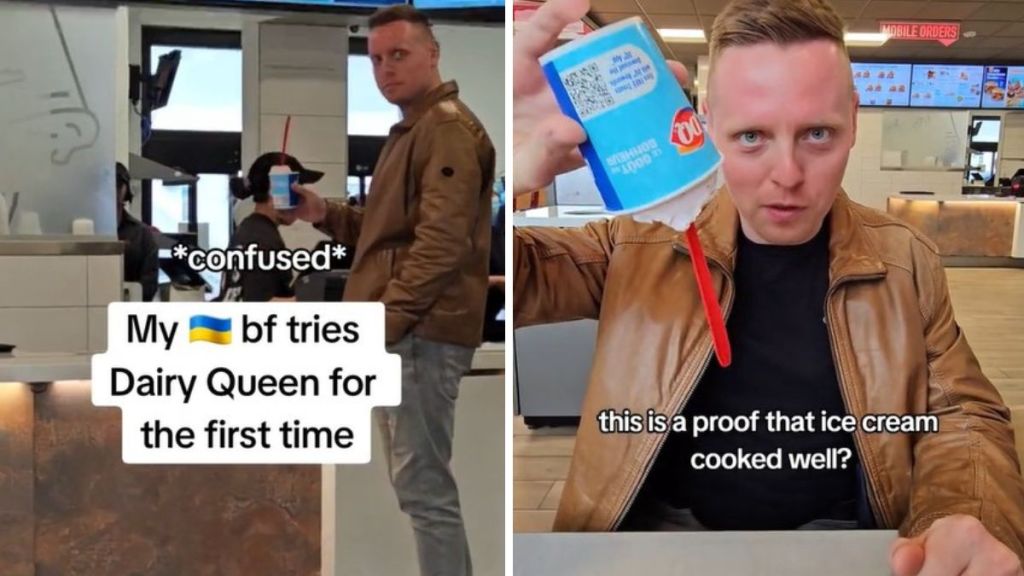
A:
687	132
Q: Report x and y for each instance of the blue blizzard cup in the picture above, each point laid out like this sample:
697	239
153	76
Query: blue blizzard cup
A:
646	146
281	195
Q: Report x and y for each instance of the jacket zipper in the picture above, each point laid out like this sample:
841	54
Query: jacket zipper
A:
635	487
876	506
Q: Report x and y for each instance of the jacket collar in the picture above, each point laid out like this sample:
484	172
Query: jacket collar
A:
851	252
444	91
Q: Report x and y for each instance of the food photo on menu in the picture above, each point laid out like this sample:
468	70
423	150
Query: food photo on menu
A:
882	84
946	86
1003	87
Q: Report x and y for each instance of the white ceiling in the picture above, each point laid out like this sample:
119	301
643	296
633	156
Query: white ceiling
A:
999	25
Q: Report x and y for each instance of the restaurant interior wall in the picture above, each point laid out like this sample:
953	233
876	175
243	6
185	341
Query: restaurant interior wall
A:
57	154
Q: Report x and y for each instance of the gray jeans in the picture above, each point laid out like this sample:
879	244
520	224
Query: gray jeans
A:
655	516
418	441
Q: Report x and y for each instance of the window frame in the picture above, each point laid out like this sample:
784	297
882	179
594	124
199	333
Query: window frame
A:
363	150
203	152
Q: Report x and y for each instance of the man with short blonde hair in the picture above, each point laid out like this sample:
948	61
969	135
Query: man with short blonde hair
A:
422	248
831	308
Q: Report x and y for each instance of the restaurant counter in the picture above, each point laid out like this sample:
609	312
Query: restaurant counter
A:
552	361
69	505
976	226
795	553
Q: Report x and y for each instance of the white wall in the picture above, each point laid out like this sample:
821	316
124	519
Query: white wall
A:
58	117
303	73
474	56
1011	149
867	183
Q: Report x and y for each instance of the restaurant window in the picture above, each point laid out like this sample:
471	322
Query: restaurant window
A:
983	152
370	118
198	132
207	94
369	113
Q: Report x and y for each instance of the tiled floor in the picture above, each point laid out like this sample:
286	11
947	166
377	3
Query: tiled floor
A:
989	305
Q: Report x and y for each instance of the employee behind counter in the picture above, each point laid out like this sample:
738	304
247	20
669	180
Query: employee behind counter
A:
261	228
140	252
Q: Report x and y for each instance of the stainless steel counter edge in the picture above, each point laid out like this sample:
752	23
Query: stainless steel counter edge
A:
42	367
60	246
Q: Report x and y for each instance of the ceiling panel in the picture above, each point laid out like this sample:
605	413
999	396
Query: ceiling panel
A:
999	25
680	21
610	17
1001	42
1013	30
708	6
948	10
999	11
894	9
863	25
660	20
849	8
984	28
660	6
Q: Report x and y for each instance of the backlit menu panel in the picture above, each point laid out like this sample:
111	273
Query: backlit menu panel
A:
880	84
946	86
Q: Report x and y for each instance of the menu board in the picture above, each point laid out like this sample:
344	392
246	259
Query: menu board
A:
946	86
1003	87
882	84
436	4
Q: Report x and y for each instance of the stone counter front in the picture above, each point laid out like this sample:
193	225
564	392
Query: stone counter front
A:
70	507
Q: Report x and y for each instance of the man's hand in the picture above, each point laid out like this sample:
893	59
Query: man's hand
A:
544	141
312	208
956	545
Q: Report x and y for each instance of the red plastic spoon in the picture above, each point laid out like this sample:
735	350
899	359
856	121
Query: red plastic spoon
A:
713	313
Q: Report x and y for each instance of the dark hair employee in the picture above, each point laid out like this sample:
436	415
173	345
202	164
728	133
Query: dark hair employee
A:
261	228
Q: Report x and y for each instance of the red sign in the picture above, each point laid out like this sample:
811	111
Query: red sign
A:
944	33
522	10
687	133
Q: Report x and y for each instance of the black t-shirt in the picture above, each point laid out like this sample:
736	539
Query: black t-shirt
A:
141	254
257	285
782	360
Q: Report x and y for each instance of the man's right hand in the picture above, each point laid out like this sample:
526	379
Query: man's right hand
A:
545	141
312	208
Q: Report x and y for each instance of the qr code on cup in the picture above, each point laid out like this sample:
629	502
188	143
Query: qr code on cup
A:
588	90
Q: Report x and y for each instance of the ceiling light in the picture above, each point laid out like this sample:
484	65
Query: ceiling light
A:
865	39
690	35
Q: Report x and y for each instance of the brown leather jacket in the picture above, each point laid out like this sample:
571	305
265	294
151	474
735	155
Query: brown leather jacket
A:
423	240
896	345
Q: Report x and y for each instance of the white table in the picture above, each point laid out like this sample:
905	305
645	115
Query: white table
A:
795	553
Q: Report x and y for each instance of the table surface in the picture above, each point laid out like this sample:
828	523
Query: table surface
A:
958	198
794	553
560	216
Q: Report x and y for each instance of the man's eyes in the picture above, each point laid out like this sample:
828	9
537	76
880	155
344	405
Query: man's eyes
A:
819	135
750	138
395	55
